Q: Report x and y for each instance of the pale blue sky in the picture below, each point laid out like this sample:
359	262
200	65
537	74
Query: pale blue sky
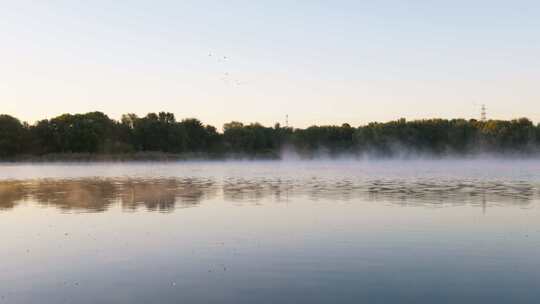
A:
321	62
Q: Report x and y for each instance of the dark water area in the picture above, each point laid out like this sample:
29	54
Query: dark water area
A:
445	231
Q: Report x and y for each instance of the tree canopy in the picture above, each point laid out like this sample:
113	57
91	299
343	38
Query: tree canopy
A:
96	133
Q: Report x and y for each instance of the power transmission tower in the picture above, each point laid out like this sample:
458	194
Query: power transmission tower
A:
483	115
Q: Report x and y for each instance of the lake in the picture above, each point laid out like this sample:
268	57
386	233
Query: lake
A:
418	231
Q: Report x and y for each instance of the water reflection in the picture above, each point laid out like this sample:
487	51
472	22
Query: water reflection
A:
90	195
10	194
165	195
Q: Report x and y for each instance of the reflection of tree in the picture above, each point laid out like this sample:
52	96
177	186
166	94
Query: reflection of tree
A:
84	195
245	190
10	194
454	192
164	195
154	195
191	191
254	190
96	195
395	191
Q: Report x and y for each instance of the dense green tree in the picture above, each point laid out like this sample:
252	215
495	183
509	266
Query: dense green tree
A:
334	139
197	136
12	136
68	133
252	138
159	132
94	132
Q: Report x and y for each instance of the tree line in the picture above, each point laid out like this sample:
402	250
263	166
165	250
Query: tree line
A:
96	133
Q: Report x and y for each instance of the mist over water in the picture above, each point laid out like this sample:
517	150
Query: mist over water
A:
346	166
290	231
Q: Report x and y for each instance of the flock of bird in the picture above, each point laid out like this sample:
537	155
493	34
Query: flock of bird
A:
226	76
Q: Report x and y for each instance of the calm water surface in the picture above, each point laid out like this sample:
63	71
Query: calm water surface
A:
271	232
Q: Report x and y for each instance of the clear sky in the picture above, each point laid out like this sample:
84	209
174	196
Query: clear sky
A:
320	62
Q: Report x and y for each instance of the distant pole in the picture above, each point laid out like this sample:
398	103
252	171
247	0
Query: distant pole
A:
287	120
483	115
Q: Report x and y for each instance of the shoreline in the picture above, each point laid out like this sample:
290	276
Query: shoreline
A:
135	157
268	156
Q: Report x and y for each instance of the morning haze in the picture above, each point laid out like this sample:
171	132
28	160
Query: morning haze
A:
320	63
292	152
